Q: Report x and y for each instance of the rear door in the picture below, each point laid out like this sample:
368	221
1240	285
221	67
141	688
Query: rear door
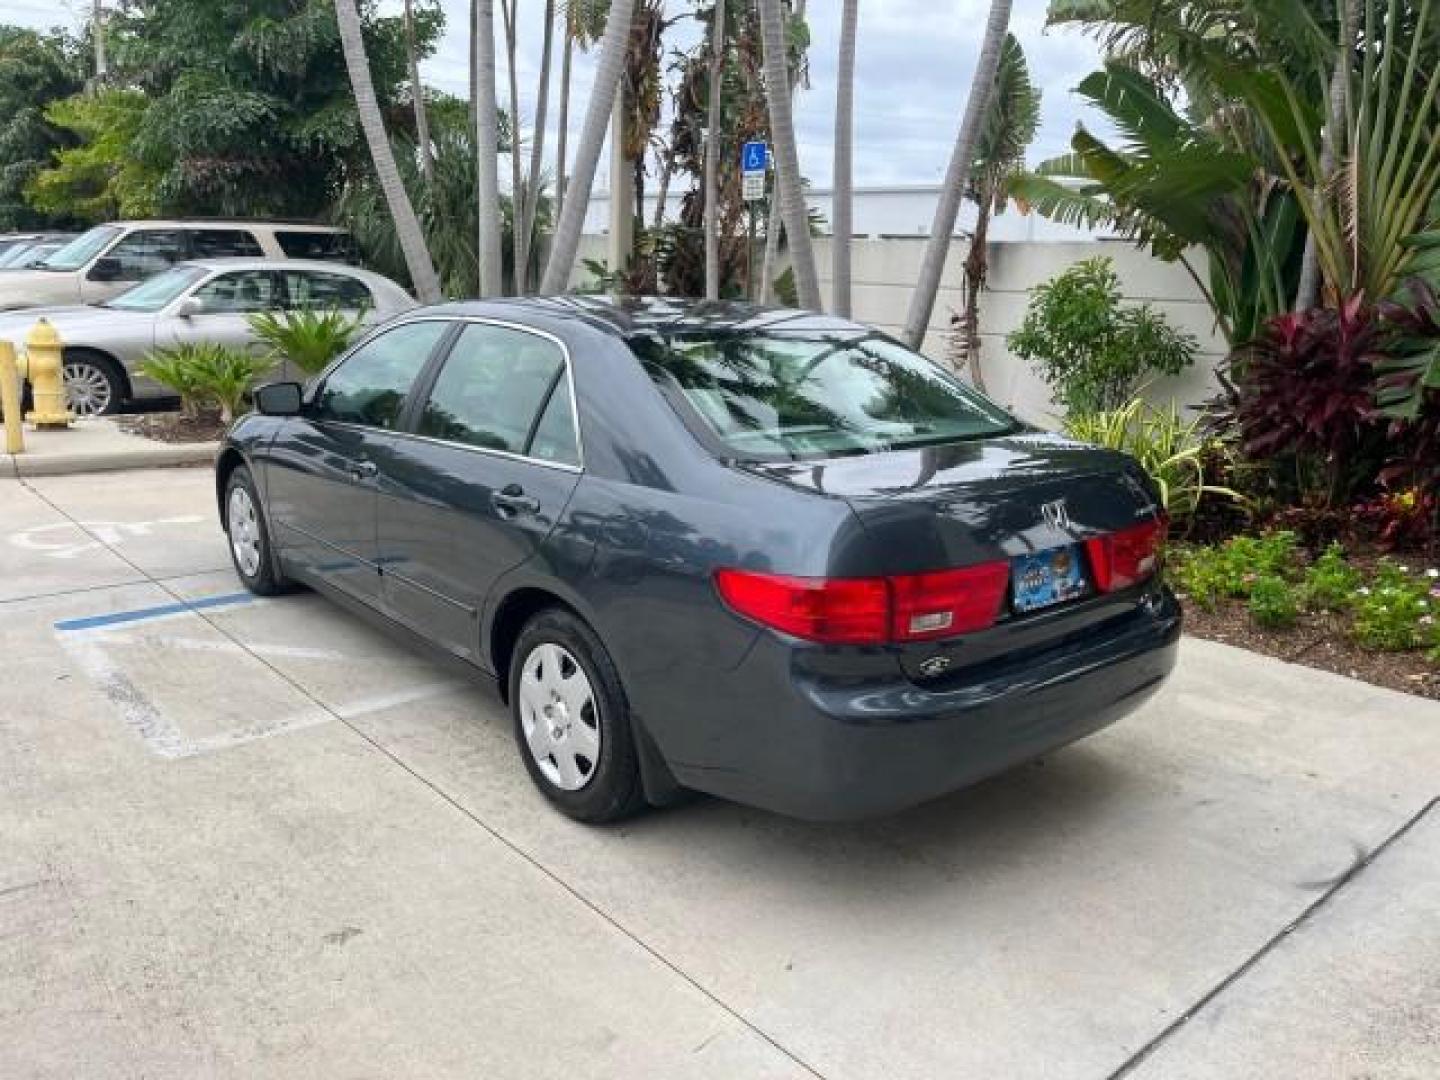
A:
490	462
326	465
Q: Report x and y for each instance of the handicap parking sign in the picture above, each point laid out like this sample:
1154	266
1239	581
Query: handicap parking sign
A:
754	157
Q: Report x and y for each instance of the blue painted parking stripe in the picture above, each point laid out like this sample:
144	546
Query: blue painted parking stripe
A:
140	614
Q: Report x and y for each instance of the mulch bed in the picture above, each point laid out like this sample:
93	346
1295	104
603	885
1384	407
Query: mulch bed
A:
174	427
1317	641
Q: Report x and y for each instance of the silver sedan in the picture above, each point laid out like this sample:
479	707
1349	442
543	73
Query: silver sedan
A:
207	300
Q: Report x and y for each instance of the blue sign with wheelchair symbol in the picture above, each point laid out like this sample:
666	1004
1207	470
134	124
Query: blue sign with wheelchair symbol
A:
754	157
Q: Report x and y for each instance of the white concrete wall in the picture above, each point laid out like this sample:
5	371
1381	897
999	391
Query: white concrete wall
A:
884	271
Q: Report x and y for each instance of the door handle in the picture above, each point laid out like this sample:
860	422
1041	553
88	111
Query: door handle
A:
363	470
511	501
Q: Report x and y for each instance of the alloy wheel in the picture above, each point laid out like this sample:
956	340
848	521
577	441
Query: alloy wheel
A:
88	391
244	528
559	718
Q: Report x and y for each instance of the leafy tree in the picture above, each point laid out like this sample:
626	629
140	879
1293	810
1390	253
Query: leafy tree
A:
98	179
35	70
1092	350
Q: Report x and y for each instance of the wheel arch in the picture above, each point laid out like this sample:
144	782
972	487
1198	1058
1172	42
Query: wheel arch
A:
127	389
517	608
229	460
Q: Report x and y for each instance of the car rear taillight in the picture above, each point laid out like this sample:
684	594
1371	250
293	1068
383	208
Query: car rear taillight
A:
870	611
1129	556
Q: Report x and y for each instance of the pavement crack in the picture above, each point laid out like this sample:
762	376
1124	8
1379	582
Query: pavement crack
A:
1362	862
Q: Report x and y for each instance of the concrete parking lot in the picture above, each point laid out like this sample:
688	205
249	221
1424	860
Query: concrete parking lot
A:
256	838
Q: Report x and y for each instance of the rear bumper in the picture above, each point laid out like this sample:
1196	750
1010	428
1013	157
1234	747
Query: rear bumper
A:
828	751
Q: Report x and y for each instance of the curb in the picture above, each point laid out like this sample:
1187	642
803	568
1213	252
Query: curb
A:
158	456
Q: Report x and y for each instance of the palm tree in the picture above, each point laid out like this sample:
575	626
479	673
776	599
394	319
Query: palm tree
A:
508	13
922	301
774	228
417	95
537	153
787	157
407	224
1010	125
712	154
844	194
487	137
584	23
613	48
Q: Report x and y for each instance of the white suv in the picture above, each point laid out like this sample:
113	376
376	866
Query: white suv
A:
109	259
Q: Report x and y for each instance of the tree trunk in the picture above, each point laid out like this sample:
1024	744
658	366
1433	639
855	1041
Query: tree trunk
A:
517	185
666	162
474	74
417	94
787	158
407	225
977	269
609	71
712	155
563	135
1307	294
537	147
922	302
844	192
487	151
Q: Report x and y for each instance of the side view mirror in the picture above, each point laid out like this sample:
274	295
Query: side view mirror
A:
190	307
279	399
107	268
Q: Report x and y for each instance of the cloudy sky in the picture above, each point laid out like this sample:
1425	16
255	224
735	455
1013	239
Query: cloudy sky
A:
913	70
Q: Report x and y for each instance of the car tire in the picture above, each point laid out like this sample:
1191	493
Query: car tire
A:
582	755
94	384
249	539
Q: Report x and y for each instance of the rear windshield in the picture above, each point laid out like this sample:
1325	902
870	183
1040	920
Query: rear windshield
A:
787	397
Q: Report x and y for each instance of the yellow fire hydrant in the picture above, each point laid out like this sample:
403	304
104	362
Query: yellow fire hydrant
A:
10	399
46	371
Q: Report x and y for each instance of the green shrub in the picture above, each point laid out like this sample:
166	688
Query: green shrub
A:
1390	613
1274	602
175	368
1169	447
1091	351
1331	582
203	372
1208	575
1200	574
308	339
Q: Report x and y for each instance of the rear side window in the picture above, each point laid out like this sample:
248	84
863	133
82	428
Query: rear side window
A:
492	389
143	254
224	244
324	246
371	385
787	397
311	290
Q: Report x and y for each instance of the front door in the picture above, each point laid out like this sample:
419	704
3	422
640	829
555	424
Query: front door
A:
227	301
324	468
489	465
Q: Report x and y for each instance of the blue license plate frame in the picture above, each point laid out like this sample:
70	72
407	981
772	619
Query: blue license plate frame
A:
1045	579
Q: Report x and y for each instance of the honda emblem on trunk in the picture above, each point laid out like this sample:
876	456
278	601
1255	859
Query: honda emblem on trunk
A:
1056	514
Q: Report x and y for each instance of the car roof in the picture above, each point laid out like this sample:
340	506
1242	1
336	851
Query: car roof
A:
252	262
226	223
648	316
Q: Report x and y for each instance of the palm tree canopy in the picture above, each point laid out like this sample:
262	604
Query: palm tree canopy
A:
1010	125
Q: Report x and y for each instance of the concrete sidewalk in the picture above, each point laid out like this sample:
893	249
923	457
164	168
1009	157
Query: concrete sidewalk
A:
255	838
98	445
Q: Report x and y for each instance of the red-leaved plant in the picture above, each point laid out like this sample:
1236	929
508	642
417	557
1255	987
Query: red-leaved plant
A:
1305	399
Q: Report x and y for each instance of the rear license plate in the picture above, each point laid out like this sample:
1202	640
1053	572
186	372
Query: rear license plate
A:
1047	578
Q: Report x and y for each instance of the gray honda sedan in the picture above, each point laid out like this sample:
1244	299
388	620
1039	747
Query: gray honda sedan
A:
764	554
206	300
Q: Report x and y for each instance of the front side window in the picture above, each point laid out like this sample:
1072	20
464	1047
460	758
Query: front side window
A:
158	292
224	244
82	249
144	253
371	385
492	388
786	397
243	292
312	290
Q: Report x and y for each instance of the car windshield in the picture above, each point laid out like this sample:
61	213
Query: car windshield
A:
82	249
156	292
19	255
786	397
